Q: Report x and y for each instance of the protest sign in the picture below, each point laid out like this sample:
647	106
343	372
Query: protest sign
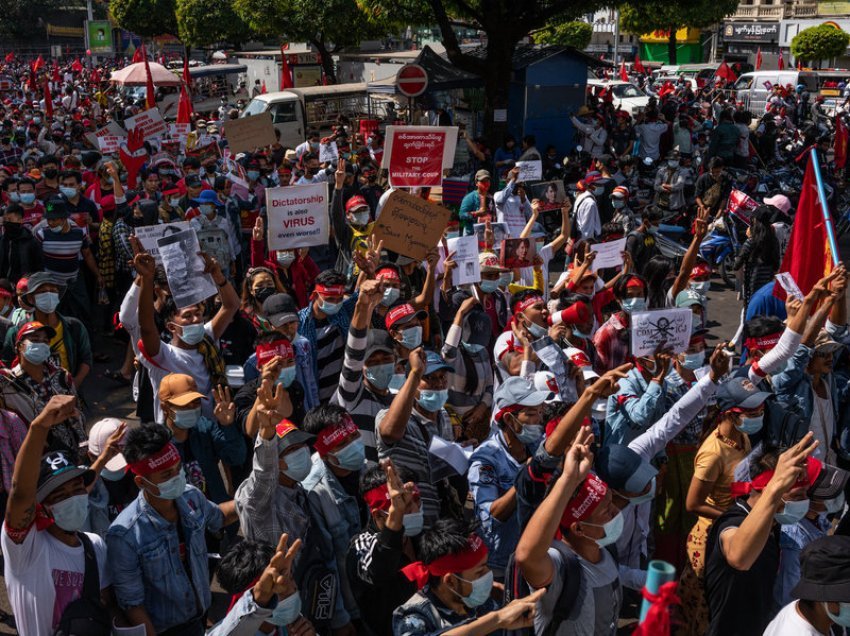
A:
551	194
530	170
417	155
297	216
556	360
148	235
517	253
246	134
741	205
448	458
328	153
409	225
109	138
465	249
608	254
150	122
184	269
669	328
500	233
787	282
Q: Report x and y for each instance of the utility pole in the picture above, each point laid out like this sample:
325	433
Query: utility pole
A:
616	36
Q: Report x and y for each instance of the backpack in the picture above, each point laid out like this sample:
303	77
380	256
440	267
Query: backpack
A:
517	587
784	426
87	616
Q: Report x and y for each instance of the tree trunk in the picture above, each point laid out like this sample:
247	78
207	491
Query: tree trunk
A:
671	46
497	82
327	60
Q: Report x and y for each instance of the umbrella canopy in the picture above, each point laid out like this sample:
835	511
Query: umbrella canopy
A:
134	75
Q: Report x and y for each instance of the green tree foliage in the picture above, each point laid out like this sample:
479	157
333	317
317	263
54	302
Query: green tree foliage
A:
646	16
575	34
147	18
23	18
329	25
821	42
209	22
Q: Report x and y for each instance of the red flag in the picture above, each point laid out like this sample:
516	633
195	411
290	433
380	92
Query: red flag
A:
264	90
758	59
187	77
184	107
724	72
38	64
285	73
623	75
56	76
48	99
77	66
150	91
638	64
781	62
842	136
139	54
799	65
807	257
10	57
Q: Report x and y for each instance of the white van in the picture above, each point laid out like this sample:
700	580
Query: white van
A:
754	88
297	110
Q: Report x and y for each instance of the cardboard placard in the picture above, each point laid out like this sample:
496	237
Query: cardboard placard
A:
328	153
150	122
248	133
417	155
297	216
109	138
409	225
530	170
670	328
608	254
184	269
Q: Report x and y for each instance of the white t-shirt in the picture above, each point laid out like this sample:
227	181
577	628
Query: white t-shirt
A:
789	623
44	575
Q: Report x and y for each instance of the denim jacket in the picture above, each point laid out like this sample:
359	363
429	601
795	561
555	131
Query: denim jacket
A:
304	370
337	515
634	408
144	559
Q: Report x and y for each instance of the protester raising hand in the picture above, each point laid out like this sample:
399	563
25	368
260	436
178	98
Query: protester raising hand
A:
225	409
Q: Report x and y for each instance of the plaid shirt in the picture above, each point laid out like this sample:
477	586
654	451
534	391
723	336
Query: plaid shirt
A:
11	156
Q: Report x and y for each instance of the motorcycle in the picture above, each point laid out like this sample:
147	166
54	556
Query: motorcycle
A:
720	247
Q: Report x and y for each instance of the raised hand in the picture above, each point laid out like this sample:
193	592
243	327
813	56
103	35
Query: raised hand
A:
258	231
791	465
113	443
339	175
225	408
608	384
57	410
145	265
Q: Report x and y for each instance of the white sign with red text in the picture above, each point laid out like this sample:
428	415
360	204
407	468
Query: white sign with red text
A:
417	155
297	216
150	122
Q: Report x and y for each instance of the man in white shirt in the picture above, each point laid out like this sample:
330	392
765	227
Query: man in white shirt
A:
587	219
51	567
594	135
823	590
512	204
649	136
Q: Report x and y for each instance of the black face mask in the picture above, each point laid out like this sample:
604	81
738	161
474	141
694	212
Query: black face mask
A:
12	230
263	293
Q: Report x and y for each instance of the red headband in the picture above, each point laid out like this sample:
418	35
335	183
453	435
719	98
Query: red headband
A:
522	305
743	488
387	274
585	500
398	313
167	457
379	497
762	343
332	435
634	281
474	553
330	290
5	293
701	269
512	408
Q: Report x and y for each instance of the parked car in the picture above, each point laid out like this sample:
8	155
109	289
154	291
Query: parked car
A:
627	96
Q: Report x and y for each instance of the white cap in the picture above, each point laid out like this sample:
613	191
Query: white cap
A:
99	434
545	381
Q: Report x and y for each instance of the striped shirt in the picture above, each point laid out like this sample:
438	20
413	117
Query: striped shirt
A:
330	348
62	250
411	452
354	396
460	399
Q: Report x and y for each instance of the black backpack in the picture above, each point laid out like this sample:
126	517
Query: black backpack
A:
784	426
87	616
517	587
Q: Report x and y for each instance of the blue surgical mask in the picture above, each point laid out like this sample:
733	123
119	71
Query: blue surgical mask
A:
751	425
112	475
171	488
702	287
380	375
632	305
286	611
613	529
413	523
843	616
473	347
536	330
298	464
253	175
175	202
286	376
69	193
489	286
352	456
14	197
70	514
391	295
27	198
192	334
835	505
647	496
792	512
694	361
329	308
481	588
47	302
37	352
618	204
187	418
396	382
432	401
411	337
530	434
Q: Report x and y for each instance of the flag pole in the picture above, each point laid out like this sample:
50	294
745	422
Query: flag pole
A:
830	232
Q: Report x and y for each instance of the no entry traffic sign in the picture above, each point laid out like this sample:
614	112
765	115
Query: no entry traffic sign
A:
412	80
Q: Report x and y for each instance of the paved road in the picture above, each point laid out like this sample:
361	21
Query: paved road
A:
107	398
